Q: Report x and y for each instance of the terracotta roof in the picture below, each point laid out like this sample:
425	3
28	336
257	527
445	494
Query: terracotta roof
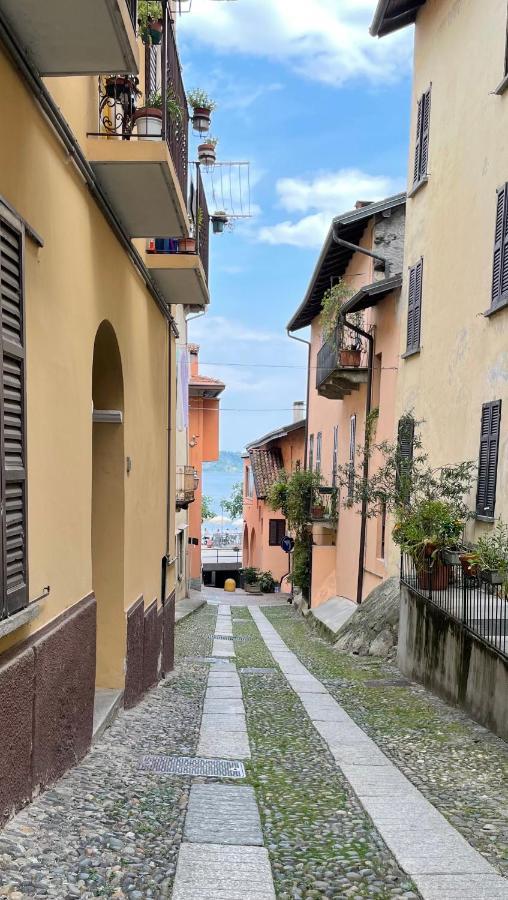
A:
278	433
266	465
205	379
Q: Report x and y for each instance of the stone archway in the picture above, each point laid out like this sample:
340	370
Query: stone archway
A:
245	555
108	507
252	552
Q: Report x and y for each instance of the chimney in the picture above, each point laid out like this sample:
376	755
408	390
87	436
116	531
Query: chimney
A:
361	203
298	410
194	361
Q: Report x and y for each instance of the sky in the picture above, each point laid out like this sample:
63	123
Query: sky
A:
320	110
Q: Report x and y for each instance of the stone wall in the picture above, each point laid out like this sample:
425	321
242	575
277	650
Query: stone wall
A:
388	240
452	662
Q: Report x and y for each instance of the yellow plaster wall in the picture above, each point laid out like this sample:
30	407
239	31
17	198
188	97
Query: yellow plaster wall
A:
450	222
81	277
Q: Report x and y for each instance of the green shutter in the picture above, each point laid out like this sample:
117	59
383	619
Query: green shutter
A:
487	465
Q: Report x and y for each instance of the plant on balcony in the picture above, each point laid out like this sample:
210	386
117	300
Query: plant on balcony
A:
148	118
331	304
490	556
202	108
150	22
294	495
206	151
219	221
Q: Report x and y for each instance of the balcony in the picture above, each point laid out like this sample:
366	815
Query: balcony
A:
72	37
139	153
342	364
180	267
324	509
187	483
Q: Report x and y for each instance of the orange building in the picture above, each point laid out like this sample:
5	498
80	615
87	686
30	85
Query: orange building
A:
264	528
204	403
364	248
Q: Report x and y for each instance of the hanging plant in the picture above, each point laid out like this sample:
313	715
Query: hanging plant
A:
331	303
219	221
202	108
206	151
150	21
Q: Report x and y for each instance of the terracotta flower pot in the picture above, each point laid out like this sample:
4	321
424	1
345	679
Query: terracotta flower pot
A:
318	512
350	359
206	154
187	245
434	575
201	119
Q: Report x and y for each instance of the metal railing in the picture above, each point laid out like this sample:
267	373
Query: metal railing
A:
218	556
324	505
203	224
479	606
186	484
177	126
344	350
132	6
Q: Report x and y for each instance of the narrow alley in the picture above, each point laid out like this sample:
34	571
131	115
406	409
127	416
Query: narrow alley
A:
330	777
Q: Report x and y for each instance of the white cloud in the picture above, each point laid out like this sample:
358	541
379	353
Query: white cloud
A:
219	331
321	198
323	40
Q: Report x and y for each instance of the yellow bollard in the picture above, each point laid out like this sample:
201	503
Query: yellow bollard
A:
230	585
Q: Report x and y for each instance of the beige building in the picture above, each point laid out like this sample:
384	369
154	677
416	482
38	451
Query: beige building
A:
453	371
89	373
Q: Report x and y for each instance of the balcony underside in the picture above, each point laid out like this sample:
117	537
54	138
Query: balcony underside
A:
140	181
341	382
72	37
180	277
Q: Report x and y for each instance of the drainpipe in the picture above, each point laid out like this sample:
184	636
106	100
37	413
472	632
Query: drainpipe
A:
303	341
368	403
167	557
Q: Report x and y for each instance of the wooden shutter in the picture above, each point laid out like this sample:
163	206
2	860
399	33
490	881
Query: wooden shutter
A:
499	244
414	306
419	117
487	466
14	575
277	530
424	149
405	446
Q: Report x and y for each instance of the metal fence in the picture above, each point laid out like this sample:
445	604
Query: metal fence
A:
479	606
333	354
203	224
217	556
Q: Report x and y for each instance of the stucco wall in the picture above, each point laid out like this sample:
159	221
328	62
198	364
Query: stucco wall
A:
463	361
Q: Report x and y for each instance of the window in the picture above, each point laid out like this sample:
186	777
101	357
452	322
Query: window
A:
405	446
422	138
352	449
311	453
487	466
335	455
248	483
319	443
500	268
276	531
13	485
180	555
414	307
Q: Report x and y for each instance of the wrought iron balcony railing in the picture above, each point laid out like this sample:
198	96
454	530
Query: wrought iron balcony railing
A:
122	104
187	482
324	507
344	350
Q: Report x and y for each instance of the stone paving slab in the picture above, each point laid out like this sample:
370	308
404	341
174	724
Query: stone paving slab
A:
213	872
304	685
457	887
223	692
215	722
223	649
378	781
359	753
440	851
216	679
333	614
227	744
223	814
223	707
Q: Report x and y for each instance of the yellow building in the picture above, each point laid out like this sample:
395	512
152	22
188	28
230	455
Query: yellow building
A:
453	370
88	175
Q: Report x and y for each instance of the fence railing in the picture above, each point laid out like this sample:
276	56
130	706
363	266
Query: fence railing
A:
479	606
178	126
345	349
203	224
324	505
223	555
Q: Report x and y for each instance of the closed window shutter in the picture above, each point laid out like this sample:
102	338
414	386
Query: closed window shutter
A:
416	174
487	466
414	306
500	237
405	447
424	151
13	426
277	530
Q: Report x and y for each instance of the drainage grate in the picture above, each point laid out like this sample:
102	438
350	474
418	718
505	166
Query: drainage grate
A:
253	671
230	637
204	659
387	682
193	765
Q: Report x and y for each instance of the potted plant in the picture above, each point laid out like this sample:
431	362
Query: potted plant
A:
469	566
490	555
148	118
350	357
251	580
219	221
267	582
423	530
187	245
202	108
117	86
151	23
206	151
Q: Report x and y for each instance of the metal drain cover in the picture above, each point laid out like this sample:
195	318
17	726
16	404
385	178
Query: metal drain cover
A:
193	765
203	659
253	671
230	637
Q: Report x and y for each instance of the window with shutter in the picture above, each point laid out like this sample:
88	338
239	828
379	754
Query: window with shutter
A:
405	447
319	443
352	450
422	138
14	574
335	456
276	532
414	307
487	466
311	453
500	267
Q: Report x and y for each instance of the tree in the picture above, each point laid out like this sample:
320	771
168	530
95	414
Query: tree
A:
294	494
206	508
234	505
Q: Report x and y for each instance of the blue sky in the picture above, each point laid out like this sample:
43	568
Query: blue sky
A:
321	111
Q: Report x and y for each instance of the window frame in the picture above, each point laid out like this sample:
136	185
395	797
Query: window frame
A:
422	140
414	309
335	455
352	455
491	440
319	449
276	524
311	453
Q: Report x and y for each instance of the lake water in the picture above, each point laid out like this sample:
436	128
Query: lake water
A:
219	486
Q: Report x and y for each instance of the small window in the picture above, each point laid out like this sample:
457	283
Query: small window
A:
414	307
276	532
180	555
352	451
487	466
248	482
335	455
311	453
319	443
422	138
500	267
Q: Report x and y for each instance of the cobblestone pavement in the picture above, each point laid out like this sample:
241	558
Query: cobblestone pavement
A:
456	764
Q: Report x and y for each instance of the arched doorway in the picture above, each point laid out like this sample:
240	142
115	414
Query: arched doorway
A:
252	554
245	555
108	507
